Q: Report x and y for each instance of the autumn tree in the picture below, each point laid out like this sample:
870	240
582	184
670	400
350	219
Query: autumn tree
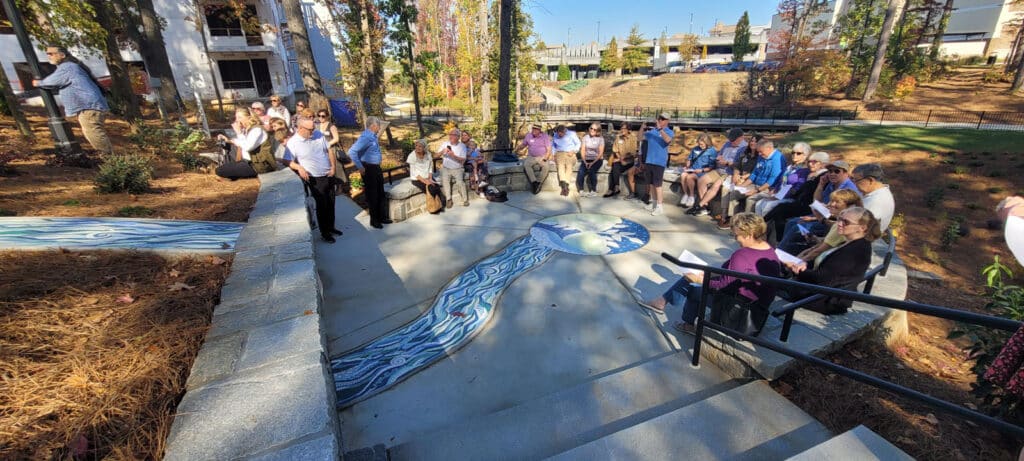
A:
364	30
663	44
610	59
634	56
891	12
741	39
688	47
304	55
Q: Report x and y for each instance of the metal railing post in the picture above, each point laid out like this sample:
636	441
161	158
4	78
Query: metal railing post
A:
705	288
786	325
883	117
980	119
929	119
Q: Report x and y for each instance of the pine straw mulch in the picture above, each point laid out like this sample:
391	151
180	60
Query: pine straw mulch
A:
95	349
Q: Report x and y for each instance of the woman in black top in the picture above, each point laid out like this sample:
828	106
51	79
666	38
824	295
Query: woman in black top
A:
843	266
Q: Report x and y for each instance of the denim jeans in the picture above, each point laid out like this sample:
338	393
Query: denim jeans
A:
590	174
688	294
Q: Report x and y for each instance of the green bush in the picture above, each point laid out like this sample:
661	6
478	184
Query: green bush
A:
564	73
573	86
189	141
124	173
1005	301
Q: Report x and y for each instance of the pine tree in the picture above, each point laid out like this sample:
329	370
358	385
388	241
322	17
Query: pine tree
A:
564	73
610	60
883	42
741	41
634	57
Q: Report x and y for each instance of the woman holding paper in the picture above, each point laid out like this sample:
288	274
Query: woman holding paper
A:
699	163
838	201
843	266
755	256
793	177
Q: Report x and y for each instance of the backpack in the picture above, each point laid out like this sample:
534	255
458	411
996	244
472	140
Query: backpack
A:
493	194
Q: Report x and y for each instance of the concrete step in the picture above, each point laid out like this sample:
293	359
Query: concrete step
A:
746	423
571	417
859	443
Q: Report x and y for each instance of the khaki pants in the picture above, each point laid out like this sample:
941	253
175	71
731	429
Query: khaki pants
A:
458	175
529	165
564	162
91	122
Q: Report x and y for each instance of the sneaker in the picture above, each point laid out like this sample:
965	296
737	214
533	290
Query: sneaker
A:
692	211
703	211
593	193
629	198
683	200
649	207
724	225
657	211
611	194
466	203
691	201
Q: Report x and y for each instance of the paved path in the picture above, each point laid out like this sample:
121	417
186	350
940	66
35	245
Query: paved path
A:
40	233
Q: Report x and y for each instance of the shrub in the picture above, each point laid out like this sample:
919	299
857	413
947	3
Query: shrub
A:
904	87
564	73
573	86
996	76
146	137
951	233
135	211
931	255
189	141
960	170
934	196
124	173
355	180
1005	301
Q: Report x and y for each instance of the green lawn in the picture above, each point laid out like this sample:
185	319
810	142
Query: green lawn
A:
898	138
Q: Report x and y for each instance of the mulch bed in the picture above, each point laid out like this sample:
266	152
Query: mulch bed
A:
95	349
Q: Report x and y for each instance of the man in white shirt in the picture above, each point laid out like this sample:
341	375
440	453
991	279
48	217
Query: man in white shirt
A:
453	155
878	198
308	155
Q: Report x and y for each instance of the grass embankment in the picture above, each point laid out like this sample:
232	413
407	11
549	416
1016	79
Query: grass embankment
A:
901	138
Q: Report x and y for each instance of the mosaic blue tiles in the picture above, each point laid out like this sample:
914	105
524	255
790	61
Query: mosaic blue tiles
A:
590	234
27	233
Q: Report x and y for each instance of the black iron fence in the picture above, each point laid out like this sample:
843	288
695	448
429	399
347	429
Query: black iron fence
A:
815	290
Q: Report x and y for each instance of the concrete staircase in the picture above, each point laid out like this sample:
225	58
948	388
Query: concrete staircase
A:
655	410
675	91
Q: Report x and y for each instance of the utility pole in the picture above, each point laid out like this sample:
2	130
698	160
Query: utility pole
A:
63	139
568	37
599	32
691	23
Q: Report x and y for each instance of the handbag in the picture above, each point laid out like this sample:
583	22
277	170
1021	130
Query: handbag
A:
738	313
433	201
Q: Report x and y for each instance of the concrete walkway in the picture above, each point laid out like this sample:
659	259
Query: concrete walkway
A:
567	358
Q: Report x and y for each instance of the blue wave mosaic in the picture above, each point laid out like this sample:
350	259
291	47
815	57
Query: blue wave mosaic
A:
31	233
460	311
590	234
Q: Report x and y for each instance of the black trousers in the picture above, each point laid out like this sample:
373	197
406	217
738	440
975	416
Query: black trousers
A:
322	190
435	189
782	213
376	201
615	175
236	170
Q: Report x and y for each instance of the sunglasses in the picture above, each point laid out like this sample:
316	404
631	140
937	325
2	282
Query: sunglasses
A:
836	171
847	222
300	105
321	115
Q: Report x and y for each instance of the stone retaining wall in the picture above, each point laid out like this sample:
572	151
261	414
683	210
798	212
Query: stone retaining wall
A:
260	387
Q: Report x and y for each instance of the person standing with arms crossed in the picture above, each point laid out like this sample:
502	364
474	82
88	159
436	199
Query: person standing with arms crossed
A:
365	154
658	139
309	156
81	95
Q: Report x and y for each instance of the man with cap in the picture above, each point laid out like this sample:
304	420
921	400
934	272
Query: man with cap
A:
878	198
453	154
538	154
837	177
658	139
565	144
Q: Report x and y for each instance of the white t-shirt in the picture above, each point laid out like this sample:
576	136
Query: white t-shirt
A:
280	112
250	141
420	168
881	204
459	149
310	152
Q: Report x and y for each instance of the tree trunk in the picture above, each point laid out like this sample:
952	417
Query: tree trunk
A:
209	60
940	30
373	71
485	68
504	73
415	83
154	53
12	105
1018	77
121	93
304	55
883	43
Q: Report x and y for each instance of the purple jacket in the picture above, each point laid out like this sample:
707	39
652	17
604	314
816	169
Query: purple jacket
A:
751	261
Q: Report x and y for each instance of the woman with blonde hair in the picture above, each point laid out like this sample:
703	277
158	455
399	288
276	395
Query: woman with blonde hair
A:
755	256
700	162
249	139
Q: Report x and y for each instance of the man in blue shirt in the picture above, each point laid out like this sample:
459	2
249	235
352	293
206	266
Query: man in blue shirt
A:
365	154
658	139
566	145
80	96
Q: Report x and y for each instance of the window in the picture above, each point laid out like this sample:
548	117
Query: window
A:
246	74
223	22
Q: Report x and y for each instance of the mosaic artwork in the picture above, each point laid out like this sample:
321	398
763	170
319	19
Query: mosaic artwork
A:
590	234
23	233
460	311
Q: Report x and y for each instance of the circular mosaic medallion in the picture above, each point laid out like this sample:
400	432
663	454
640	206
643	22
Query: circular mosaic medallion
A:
590	234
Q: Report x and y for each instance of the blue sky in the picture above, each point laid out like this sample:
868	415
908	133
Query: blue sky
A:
553	20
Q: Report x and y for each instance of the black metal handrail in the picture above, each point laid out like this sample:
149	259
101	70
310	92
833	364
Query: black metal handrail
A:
815	290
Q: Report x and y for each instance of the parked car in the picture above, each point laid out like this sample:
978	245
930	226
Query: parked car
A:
711	68
767	65
740	66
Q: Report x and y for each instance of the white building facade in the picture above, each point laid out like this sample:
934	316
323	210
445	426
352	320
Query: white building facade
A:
210	49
